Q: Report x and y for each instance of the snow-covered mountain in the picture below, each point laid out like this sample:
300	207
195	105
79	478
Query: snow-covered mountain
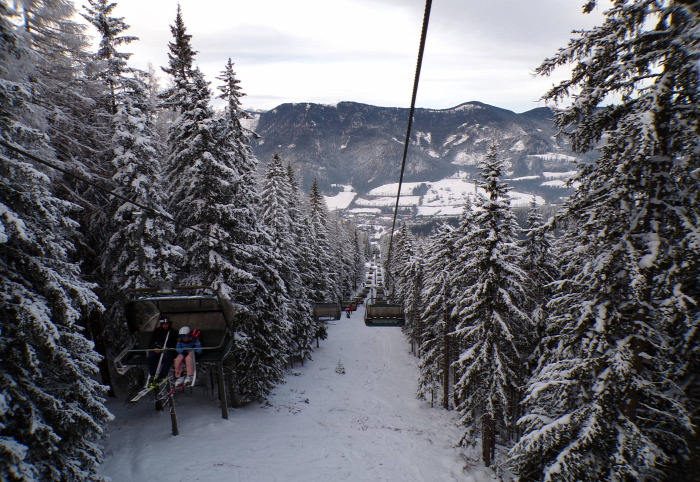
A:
362	145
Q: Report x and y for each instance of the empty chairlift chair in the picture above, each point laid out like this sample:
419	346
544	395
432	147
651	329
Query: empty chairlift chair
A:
384	313
326	311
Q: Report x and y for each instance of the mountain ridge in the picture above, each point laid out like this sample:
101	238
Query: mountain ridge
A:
362	145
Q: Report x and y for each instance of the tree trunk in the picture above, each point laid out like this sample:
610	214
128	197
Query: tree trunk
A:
100	348
446	361
488	439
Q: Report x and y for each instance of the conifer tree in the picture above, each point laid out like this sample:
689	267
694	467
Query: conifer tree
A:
407	282
343	250
604	403
52	410
180	67
136	164
359	242
538	262
277	200
307	268
402	251
110	29
200	173
461	276
323	273
323	285
264	330
276	195
437	348
412	298
210	169
76	129
77	126
490	320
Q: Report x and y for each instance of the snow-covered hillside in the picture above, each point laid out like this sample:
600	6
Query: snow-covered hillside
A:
350	414
445	197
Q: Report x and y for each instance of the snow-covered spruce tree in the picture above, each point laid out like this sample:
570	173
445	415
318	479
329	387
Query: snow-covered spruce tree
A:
180	67
199	172
324	286
399	255
113	62
277	199
137	166
461	276
51	409
538	261
263	329
77	128
359	242
276	196
343	249
411	295
135	161
77	124
606	402
302	304
348	228
437	348
490	320
334	247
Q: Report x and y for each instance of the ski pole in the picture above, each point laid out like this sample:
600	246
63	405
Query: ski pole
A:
160	360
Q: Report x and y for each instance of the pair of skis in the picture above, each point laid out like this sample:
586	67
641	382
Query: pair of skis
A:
181	388
158	388
147	389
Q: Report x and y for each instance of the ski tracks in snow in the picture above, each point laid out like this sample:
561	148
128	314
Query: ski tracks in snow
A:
359	423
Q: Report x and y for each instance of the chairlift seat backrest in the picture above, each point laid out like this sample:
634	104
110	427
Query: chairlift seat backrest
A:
327	311
206	313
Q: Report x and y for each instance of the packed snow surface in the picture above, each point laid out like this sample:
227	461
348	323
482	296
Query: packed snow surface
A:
443	198
559	175
556	183
350	414
341	200
391	189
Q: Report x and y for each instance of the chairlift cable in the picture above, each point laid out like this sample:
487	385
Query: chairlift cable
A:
108	191
80	178
421	49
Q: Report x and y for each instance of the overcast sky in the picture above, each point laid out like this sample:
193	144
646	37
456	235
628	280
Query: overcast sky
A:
327	51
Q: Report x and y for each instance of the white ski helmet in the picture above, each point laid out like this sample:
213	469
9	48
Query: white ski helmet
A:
185	330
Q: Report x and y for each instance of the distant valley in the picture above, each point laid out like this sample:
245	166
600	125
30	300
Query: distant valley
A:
355	150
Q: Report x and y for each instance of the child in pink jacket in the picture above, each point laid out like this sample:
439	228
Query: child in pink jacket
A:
187	344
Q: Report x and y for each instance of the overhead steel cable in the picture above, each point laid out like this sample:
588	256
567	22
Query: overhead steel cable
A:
148	209
80	178
421	49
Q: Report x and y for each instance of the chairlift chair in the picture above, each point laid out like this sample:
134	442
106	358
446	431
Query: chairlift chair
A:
327	311
209	313
384	313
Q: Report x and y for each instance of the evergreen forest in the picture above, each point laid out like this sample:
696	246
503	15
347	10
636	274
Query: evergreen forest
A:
569	348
